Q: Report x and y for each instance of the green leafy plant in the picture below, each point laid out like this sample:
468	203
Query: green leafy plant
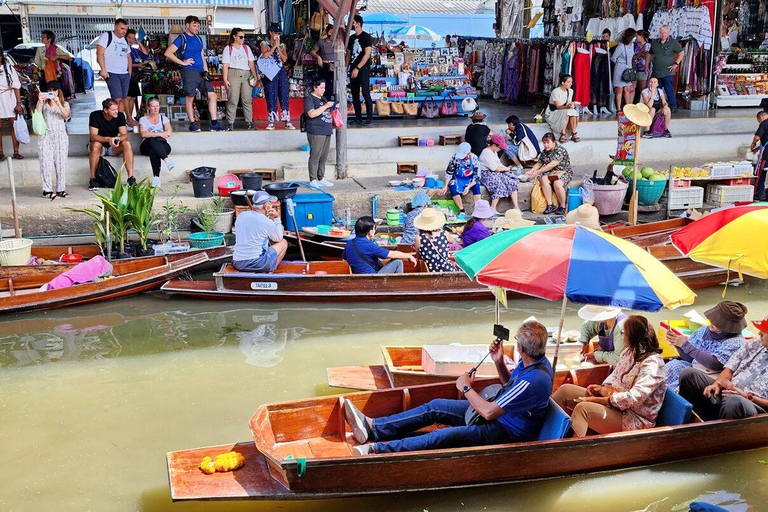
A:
141	199
169	215
115	205
208	214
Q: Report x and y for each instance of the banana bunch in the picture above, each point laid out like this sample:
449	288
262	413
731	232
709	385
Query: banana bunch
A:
689	172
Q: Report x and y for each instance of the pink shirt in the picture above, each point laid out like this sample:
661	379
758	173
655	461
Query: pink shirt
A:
640	389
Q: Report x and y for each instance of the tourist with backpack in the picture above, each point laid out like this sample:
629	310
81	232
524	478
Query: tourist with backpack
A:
237	69
114	58
109	136
655	99
187	51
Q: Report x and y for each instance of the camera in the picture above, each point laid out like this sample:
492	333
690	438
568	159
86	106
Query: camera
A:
207	76
500	332
49	95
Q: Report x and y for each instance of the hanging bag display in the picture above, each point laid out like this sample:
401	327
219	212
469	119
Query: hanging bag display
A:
410	108
429	109
383	107
449	107
396	107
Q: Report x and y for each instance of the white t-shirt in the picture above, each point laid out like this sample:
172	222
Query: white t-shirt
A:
489	160
253	233
116	54
237	59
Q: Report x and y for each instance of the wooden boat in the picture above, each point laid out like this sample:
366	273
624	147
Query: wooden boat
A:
402	367
20	286
299	281
311	435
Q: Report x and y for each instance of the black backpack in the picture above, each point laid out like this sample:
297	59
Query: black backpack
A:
106	175
180	51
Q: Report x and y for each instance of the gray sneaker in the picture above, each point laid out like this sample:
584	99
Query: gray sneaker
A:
357	421
363	449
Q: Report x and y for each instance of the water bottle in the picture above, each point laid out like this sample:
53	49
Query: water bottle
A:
547	220
347	217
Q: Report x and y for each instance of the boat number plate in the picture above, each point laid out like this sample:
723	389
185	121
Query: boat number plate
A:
264	286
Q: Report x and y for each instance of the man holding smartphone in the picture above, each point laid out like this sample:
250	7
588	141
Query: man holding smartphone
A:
109	136
259	243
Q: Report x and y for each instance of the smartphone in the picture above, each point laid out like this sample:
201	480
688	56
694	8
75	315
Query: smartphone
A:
49	95
500	332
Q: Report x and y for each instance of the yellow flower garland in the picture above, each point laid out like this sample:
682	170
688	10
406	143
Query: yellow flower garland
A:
223	462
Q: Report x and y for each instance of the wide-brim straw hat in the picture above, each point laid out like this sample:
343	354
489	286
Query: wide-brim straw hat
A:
728	316
639	114
429	220
598	313
585	215
513	218
478	116
483	210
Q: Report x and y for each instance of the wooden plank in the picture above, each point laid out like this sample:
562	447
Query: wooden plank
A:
358	377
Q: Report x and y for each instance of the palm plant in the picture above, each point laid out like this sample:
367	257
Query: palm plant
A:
141	198
169	215
114	205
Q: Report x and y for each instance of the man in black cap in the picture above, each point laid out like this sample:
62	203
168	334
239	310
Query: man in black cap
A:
359	60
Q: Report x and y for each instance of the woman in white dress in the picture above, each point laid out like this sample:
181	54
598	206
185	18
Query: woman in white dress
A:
53	146
561	113
10	103
623	59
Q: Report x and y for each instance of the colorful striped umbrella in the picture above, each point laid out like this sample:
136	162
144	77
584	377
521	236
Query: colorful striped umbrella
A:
415	32
733	238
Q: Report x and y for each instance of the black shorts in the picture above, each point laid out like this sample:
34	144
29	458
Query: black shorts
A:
134	89
193	82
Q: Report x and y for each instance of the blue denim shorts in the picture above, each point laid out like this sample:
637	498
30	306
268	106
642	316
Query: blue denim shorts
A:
118	85
457	188
267	262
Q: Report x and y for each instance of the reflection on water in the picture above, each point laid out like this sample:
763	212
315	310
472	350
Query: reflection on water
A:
92	398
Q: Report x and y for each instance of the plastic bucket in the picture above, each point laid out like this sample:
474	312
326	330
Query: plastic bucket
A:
252	180
202	187
609	198
201	241
574	198
393	217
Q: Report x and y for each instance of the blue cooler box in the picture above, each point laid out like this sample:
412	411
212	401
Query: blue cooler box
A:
310	209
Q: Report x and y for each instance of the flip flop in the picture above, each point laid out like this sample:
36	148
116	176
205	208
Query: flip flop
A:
48	195
63	194
563	138
17	156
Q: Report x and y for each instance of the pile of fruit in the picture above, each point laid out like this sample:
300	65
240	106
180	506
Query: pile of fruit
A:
646	173
689	172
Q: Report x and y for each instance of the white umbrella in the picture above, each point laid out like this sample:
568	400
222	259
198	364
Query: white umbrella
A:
415	33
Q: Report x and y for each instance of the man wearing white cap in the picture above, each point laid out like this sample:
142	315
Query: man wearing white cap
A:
607	323
259	244
462	176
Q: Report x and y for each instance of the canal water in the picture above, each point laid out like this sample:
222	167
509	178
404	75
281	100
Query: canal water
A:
92	398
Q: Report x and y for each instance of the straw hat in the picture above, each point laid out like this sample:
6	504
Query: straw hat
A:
585	215
728	316
598	313
483	210
477	116
639	114
512	218
429	220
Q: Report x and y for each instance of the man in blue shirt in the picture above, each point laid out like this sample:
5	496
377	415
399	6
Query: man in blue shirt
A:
194	71
363	254
515	416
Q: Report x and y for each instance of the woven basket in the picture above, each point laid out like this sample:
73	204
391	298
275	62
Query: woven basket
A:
200	241
15	251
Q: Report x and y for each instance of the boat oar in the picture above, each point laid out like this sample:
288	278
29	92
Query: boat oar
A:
289	207
108	240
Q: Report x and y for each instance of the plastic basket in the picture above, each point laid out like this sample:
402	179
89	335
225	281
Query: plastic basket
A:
722	171
680	183
201	241
684	198
648	192
609	198
724	194
446	204
15	251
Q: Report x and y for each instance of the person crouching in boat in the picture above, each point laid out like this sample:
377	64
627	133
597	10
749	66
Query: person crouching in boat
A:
630	397
420	201
741	389
259	244
516	415
607	323
711	346
364	255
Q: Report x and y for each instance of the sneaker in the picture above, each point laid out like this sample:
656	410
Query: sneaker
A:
354	122
551	208
227	128
93	185
647	135
251	127
216	127
667	135
169	164
156	181
357	421
461	216
363	449
560	211
131	181
194	127
605	111
315	183
325	183
289	126
270	126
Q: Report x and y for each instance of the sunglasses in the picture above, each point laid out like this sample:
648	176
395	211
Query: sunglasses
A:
240	37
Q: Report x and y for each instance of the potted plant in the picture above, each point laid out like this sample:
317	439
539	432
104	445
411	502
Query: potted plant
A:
167	223
225	216
207	216
141	198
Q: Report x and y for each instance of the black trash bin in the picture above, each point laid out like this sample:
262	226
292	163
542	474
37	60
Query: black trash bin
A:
202	181
251	180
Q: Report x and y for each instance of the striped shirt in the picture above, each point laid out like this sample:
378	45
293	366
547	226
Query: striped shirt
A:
526	401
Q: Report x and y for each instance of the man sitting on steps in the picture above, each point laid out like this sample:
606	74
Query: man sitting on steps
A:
516	415
109	135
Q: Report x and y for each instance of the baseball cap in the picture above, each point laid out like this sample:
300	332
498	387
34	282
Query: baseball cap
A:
463	150
761	324
261	198
499	141
275	27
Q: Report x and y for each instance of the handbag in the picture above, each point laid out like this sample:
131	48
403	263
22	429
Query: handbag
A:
382	107
629	74
526	151
21	130
538	201
449	107
396	107
411	108
337	119
429	109
268	67
38	123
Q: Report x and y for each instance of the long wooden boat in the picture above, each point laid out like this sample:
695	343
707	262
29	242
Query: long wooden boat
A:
20	286
403	367
310	437
331	249
299	281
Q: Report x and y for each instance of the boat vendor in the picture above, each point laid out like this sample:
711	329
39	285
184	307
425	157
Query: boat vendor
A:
419	202
259	244
630	397
364	255
710	347
607	323
515	416
740	390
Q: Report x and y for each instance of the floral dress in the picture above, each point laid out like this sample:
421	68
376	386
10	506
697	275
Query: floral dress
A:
721	349
640	389
499	184
434	251
563	169
53	149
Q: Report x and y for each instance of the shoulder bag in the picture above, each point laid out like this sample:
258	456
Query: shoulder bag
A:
411	108
396	107
429	109
449	107
629	74
382	107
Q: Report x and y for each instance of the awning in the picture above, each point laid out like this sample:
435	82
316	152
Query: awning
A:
228	18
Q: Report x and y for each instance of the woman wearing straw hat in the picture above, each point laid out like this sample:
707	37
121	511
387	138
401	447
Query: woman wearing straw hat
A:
512	219
497	178
710	347
554	166
607	323
462	176
585	215
432	243
419	202
474	229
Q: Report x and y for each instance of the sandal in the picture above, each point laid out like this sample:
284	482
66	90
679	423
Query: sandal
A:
563	138
61	194
17	156
2	157
48	195
575	138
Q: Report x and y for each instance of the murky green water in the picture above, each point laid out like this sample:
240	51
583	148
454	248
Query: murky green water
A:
92	398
